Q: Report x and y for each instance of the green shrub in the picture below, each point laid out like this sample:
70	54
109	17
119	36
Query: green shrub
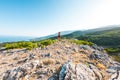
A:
47	42
82	42
28	44
112	50
16	45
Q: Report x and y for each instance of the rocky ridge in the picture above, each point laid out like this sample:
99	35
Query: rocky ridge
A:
62	60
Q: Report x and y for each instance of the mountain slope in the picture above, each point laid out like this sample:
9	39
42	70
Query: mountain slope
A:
106	36
53	35
100	36
61	60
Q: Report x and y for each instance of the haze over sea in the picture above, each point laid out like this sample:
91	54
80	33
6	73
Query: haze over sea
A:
13	38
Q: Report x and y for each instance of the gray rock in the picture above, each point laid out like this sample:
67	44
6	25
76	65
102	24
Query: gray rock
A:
6	74
53	77
58	52
31	56
75	49
85	47
22	61
94	46
71	71
97	48
114	71
96	71
46	55
14	74
115	76
101	57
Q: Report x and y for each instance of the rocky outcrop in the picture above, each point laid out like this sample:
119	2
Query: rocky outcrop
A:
100	57
114	71
60	61
72	71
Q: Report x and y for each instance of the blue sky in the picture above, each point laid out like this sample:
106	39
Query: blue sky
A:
44	17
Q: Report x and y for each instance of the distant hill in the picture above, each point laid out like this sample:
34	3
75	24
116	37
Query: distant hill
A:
80	32
105	36
53	35
109	36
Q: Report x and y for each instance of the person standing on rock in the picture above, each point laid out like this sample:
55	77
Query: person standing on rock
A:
59	36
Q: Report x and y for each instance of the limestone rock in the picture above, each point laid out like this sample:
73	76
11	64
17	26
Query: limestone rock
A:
71	71
100	57
65	61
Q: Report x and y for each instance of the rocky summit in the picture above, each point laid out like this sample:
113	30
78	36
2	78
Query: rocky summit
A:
62	60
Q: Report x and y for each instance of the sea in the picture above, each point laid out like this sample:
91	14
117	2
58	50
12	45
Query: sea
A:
13	38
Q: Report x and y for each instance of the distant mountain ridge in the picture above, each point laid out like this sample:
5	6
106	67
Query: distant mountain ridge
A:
53	35
79	32
105	36
108	36
70	34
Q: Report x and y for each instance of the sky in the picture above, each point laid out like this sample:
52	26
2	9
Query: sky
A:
43	17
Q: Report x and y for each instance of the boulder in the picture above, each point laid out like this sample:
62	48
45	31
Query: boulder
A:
15	74
79	71
31	56
22	61
101	57
114	71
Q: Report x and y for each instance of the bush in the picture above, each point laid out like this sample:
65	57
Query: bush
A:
28	44
82	42
112	50
47	42
16	45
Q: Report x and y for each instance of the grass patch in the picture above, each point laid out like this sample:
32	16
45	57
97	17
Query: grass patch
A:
48	61
116	57
101	66
113	50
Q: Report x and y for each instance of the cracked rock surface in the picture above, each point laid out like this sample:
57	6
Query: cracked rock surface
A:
62	60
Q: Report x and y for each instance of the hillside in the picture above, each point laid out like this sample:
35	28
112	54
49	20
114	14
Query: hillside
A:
61	60
52	35
104	37
109	37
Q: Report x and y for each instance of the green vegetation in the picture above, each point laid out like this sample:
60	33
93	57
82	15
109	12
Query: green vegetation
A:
109	38
79	42
104	37
16	45
47	42
113	50
28	44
